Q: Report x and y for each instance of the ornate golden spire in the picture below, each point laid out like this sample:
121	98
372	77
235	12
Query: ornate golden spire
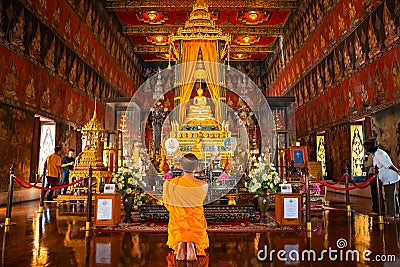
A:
200	26
93	124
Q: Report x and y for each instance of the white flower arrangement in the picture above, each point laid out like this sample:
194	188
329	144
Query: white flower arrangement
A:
128	180
263	178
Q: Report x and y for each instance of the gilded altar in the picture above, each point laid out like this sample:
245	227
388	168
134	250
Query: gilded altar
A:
91	156
201	134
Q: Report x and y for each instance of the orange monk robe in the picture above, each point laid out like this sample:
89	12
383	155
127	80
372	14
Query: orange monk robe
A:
184	198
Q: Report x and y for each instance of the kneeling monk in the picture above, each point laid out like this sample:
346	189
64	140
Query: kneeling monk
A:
183	197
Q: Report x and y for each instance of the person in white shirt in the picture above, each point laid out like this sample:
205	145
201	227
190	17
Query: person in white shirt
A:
388	174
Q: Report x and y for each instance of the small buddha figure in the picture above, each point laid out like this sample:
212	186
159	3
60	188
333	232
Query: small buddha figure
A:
352	101
315	51
11	82
342	27
312	89
374	46
347	61
319	81
305	26
30	91
336	66
364	94
81	82
323	44
67	29
56	16
77	40
360	58
16	35
86	48
331	34
34	49
72	73
352	14
319	14
328	81
62	66
197	146
396	77
89	17
49	59
390	27
45	99
380	90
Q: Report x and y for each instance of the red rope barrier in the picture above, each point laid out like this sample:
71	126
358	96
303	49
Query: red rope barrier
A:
338	181
26	184
363	184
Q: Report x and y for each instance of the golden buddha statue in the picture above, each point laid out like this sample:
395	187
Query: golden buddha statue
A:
199	109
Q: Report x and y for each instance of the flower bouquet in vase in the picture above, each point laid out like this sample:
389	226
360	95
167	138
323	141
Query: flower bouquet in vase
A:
263	180
129	181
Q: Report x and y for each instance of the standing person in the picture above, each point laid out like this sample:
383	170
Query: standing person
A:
53	166
369	166
67	164
388	174
183	197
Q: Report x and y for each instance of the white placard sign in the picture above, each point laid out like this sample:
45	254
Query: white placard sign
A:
290	208
171	145
103	253
104	209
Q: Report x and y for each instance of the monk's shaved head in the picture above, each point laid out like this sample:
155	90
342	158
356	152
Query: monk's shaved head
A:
189	162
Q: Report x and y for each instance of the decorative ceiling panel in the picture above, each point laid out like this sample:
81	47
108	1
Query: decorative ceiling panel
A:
253	25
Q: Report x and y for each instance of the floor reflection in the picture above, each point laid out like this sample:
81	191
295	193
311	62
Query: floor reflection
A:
56	238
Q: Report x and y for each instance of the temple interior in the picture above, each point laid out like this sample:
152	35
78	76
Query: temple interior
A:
276	99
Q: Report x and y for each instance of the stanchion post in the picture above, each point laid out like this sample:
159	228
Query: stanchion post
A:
378	192
346	173
308	202
10	197
42	192
87	248
89	201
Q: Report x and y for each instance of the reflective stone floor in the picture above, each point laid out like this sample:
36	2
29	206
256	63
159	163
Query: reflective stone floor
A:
55	239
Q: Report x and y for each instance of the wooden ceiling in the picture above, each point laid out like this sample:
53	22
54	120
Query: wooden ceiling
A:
254	25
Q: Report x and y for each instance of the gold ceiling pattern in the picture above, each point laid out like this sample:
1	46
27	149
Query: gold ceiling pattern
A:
186	5
252	27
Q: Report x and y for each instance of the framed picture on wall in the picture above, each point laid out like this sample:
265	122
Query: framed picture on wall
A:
298	155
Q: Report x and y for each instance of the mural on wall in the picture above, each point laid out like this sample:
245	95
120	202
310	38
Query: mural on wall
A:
338	149
69	59
16	128
356	66
361	70
385	125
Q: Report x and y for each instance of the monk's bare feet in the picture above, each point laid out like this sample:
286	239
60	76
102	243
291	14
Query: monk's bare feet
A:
181	253
191	252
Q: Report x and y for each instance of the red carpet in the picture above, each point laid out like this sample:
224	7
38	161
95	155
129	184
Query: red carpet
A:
226	227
